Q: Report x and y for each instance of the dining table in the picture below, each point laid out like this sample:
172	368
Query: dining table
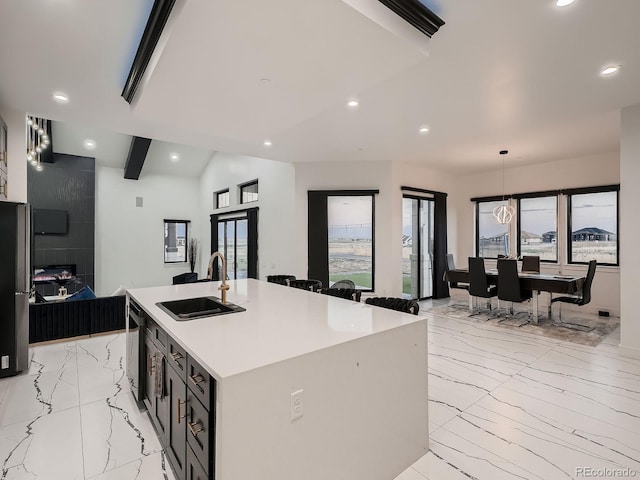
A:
534	281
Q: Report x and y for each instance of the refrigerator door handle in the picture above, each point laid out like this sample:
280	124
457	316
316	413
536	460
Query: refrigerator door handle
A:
22	331
23	240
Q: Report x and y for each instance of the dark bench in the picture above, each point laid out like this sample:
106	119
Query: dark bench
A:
56	320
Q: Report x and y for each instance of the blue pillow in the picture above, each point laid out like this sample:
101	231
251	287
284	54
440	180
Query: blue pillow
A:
85	293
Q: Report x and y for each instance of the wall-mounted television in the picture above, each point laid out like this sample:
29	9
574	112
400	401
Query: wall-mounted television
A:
49	222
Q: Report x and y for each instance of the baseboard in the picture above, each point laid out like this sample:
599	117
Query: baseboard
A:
629	351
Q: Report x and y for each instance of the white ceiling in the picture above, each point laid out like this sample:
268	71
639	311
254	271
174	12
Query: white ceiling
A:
521	75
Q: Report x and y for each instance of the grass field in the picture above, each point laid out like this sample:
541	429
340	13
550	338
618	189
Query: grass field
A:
361	279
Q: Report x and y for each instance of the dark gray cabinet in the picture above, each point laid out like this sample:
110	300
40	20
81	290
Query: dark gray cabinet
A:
183	412
176	434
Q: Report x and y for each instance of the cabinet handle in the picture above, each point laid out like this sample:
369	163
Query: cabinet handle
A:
150	365
196	379
195	428
176	356
180	417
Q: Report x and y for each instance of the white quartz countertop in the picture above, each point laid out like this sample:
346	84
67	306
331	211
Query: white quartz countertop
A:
279	323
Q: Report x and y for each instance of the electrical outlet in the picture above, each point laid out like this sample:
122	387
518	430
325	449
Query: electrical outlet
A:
5	362
297	405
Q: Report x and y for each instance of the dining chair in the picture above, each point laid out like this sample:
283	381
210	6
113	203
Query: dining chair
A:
344	284
280	279
451	265
393	303
348	293
583	298
531	263
509	285
312	285
478	283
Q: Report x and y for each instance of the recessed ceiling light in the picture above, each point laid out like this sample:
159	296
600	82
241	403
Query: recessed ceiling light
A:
61	97
423	130
267	143
563	3
610	70
353	103
174	157
89	144
265	80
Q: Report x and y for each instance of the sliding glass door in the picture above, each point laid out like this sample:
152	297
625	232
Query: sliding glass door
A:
417	247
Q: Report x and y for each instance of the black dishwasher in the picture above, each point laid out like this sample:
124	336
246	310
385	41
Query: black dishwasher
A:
135	352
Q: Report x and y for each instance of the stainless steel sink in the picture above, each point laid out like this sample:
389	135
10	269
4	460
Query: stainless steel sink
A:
198	307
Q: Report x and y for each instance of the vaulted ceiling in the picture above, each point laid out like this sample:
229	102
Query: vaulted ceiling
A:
228	75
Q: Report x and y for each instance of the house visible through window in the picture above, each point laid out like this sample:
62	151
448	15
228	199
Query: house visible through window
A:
222	198
593	227
249	192
538	227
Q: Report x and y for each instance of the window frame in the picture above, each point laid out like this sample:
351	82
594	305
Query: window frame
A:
186	240
318	233
569	241
241	188
217	197
519	199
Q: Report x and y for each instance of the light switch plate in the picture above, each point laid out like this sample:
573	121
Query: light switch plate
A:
297	404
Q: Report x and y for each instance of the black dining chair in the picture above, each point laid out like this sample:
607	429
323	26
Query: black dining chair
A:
312	285
451	265
509	284
584	297
280	279
348	293
478	283
531	263
346	283
393	303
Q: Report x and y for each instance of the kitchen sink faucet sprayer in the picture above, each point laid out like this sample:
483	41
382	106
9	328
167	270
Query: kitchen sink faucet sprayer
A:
223	286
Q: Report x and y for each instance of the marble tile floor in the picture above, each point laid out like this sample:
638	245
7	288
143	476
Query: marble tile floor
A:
503	405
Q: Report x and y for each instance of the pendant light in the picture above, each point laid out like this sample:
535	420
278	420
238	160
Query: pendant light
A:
503	213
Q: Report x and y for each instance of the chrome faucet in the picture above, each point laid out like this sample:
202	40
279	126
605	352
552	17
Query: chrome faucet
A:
223	286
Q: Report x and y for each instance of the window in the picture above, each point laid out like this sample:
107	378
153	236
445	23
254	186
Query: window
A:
222	198
249	192
537	227
175	241
341	241
492	238
350	234
593	227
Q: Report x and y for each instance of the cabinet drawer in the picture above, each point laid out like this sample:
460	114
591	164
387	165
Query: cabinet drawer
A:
199	431
158	335
198	381
194	469
177	358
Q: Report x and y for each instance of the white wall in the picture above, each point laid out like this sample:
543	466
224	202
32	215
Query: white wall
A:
16	154
276	206
588	171
630	229
130	240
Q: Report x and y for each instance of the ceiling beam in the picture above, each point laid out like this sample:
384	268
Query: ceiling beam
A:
137	155
417	14
155	25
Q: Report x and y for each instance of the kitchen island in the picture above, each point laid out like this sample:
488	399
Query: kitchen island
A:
302	385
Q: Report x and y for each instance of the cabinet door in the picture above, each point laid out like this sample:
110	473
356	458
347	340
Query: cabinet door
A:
194	469
199	433
177	424
158	406
149	380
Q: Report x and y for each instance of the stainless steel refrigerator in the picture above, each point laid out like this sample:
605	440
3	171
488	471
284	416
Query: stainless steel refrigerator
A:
15	282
